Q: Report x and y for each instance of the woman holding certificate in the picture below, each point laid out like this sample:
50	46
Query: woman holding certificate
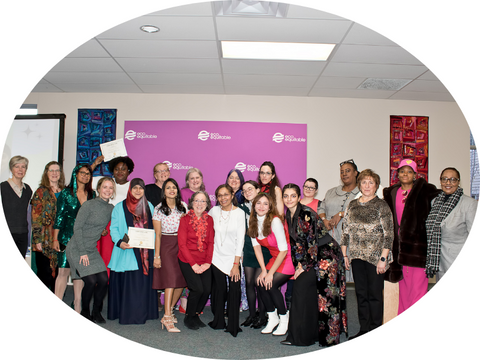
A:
167	274
131	298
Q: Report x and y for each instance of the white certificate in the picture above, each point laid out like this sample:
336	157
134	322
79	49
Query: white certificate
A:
113	149
141	238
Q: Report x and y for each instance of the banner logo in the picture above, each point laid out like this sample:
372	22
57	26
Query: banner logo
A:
242	167
169	164
130	135
279	137
203	135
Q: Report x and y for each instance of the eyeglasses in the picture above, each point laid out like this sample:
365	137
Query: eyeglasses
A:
54	171
452	180
309	188
162	171
265	173
246	191
348	162
84	173
199	201
223	195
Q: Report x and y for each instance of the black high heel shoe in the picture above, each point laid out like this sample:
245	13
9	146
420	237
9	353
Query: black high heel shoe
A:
259	323
248	321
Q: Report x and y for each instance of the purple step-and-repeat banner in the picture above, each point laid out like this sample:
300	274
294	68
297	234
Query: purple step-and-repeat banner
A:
215	148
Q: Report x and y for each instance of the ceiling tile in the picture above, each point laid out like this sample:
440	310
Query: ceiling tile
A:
426	85
268	80
301	12
266	91
100	88
178	89
374	70
361	94
192	66
326	82
374	55
87	78
422	96
89	49
199	9
87	64
161	48
286	30
237	66
179	79
362	35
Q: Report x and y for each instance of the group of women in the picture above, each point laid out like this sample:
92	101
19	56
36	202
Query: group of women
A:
272	235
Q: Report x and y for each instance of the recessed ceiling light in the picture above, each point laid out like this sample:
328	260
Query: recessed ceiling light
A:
276	50
149	29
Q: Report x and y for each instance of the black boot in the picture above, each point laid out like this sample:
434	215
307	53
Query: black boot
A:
198	322
190	322
86	314
97	317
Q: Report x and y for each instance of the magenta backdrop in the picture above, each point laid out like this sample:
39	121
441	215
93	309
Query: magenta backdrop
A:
215	148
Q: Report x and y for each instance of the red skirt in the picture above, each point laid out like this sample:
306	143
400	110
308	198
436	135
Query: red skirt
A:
169	275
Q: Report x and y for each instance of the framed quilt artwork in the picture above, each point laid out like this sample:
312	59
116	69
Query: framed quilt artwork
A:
408	140
95	126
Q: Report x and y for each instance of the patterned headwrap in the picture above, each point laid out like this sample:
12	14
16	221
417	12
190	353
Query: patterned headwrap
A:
138	207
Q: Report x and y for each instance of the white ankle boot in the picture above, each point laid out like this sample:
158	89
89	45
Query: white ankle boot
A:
272	322
282	326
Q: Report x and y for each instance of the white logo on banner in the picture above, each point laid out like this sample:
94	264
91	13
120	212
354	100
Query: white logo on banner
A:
179	166
169	164
279	137
130	135
242	167
203	135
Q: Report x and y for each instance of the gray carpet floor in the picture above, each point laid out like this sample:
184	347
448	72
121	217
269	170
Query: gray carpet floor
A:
215	344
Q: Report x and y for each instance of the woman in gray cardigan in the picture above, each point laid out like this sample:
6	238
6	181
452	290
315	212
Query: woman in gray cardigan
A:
82	254
448	223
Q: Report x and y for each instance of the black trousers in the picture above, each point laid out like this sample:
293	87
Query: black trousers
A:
44	271
21	240
303	319
95	285
220	296
273	298
368	288
199	286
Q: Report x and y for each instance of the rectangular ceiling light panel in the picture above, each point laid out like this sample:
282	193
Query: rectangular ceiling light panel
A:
276	50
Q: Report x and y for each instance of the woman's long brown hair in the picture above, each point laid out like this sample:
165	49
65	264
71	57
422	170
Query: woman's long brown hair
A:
267	224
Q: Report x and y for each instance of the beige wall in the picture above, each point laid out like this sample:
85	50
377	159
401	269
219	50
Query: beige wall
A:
338	129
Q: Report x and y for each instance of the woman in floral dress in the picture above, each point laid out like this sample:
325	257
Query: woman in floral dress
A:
319	310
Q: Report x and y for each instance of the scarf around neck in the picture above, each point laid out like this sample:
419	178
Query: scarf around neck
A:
199	225
442	207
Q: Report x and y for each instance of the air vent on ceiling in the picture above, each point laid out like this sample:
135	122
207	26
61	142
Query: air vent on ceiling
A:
383	84
250	8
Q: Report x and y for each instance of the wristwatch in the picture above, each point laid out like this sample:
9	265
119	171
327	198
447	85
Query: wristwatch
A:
382	259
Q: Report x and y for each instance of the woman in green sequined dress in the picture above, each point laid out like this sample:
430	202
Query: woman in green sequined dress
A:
71	198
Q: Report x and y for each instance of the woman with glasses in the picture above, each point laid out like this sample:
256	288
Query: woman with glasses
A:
193	183
310	189
69	201
337	199
167	274
410	202
270	184
154	192
44	208
448	223
195	251
250	263
229	225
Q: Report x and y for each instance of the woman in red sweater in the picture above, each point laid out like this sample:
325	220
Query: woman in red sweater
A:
195	250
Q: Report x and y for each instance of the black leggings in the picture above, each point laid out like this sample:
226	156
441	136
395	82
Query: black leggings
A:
96	285
252	290
273	298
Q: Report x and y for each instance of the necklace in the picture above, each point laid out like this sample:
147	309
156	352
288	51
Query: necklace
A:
225	221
